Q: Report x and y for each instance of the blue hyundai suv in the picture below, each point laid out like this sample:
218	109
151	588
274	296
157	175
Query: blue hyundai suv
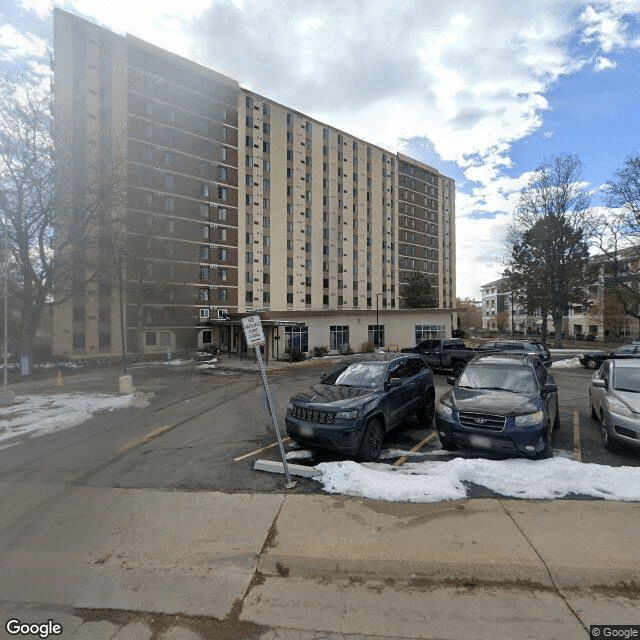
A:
502	403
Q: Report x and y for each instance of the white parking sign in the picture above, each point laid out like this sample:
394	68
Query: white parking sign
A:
253	333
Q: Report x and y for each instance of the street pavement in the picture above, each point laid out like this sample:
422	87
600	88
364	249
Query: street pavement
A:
144	564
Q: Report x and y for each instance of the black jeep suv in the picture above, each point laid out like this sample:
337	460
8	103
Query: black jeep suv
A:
359	401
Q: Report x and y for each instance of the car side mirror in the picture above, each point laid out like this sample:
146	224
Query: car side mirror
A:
549	388
393	383
599	382
451	380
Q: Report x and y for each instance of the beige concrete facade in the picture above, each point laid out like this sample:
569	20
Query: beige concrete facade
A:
233	204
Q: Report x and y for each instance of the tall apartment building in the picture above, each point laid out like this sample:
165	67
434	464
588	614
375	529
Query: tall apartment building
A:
222	203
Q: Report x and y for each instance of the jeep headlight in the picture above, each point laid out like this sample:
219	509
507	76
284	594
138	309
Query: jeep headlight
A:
347	415
529	419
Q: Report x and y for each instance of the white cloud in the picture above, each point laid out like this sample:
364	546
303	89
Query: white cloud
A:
603	64
468	79
41	8
605	25
14	44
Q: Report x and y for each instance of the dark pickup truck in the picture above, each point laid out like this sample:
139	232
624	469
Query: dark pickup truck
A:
450	354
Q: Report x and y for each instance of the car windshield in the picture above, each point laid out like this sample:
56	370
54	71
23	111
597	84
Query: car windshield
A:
516	379
366	375
627	380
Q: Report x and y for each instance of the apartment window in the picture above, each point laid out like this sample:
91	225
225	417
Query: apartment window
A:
222	214
376	334
203	294
222	273
248	296
169	182
169	204
338	337
222	193
297	338
222	173
248	257
222	255
428	331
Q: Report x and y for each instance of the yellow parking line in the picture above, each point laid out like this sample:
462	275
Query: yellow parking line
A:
419	446
253	453
148	437
576	436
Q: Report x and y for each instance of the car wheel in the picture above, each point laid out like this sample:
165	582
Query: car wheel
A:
371	443
591	363
428	411
458	367
607	442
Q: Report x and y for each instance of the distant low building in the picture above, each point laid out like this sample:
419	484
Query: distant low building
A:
598	316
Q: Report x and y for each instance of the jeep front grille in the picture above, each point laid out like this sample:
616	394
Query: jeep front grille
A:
313	415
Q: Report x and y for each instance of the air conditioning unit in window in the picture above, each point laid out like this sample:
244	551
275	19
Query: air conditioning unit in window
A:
223	313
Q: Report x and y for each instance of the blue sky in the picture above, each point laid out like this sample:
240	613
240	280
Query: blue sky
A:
483	90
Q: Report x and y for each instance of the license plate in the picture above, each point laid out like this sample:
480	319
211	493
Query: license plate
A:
481	442
306	431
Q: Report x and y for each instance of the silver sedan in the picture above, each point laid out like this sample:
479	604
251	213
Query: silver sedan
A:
614	395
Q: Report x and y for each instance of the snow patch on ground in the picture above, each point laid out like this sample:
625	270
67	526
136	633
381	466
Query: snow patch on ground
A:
566	364
37	415
434	481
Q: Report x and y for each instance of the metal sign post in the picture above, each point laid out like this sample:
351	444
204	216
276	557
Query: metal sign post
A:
255	338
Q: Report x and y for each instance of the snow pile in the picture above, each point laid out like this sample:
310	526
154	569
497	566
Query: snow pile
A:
433	481
37	415
566	364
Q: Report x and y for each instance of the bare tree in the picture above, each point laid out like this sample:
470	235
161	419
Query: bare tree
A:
27	203
618	238
548	242
55	221
469	316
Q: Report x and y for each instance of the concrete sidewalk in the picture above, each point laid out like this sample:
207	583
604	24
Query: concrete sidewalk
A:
292	561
